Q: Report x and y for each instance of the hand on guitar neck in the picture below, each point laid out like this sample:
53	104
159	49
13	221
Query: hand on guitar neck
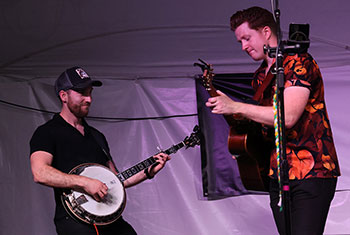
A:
222	104
219	102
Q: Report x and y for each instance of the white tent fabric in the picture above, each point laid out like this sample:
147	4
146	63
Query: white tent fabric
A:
143	51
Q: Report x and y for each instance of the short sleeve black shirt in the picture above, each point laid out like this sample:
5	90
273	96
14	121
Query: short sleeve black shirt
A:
68	147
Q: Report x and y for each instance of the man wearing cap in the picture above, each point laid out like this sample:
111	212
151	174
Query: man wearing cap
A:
66	141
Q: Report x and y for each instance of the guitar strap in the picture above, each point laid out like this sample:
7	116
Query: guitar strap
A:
102	143
258	94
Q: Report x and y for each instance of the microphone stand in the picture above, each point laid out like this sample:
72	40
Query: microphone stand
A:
284	169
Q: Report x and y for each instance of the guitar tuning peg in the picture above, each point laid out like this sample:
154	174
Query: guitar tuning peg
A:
196	129
203	65
159	149
203	62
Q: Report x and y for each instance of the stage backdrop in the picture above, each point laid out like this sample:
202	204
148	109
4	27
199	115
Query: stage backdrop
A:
144	51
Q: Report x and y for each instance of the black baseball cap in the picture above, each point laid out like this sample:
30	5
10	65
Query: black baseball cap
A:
74	78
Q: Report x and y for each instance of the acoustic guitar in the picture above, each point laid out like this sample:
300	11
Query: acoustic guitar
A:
245	141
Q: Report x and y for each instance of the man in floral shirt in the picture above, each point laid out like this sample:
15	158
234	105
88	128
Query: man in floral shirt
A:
311	155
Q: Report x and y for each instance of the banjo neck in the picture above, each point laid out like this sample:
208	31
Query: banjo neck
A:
147	163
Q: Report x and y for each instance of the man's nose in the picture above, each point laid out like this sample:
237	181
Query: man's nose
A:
88	98
244	46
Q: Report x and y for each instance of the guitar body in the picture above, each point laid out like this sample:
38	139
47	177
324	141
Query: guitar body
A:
245	143
251	153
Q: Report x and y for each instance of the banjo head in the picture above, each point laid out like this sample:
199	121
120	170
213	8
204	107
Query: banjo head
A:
85	208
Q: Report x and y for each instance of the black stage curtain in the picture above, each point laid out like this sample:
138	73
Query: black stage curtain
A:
220	174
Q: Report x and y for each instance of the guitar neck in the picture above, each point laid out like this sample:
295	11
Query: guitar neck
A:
208	77
147	163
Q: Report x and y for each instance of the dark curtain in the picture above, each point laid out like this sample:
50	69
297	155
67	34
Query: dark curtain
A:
220	174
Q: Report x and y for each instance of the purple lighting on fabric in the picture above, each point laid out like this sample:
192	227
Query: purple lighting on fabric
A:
220	174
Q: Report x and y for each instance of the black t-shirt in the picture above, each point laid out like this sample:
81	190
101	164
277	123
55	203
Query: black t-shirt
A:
68	147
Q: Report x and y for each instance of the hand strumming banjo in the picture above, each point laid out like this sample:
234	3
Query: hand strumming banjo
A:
85	208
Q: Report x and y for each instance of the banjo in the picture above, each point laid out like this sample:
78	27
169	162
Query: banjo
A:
85	208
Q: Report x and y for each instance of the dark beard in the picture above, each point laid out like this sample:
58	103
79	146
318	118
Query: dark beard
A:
78	110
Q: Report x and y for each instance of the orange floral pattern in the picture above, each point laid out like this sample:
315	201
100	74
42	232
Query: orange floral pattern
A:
302	161
310	148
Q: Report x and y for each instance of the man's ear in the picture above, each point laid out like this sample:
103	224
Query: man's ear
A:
63	96
267	32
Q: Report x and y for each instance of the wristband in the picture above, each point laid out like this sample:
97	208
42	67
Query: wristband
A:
147	174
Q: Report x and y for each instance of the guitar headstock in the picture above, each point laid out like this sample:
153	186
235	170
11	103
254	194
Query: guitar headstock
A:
207	76
193	139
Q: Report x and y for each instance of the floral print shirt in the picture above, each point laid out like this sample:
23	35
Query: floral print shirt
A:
309	143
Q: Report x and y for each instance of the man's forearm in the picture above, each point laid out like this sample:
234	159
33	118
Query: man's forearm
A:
52	177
